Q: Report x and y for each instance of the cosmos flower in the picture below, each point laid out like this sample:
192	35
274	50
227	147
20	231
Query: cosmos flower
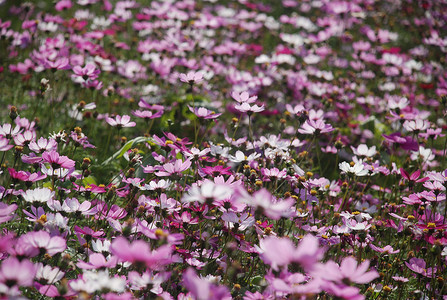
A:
357	169
120	121
202	112
279	252
174	168
89	72
140	252
57	161
191	77
347	271
42	195
315	127
42	242
15	274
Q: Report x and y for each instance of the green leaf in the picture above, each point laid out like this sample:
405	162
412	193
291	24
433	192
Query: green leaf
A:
126	147
89	180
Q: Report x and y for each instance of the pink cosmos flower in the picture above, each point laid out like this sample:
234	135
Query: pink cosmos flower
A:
42	242
406	142
273	173
279	252
249	109
72	205
387	249
315	127
147	114
59	64
176	168
215	171
56	161
4	144
414	177
120	122
202	112
22	139
203	289
43	145
418	265
267	204
96	261
243	97
191	77
6	211
348	271
87	232
6	131
140	252
342	291
63	4
89	72
15	274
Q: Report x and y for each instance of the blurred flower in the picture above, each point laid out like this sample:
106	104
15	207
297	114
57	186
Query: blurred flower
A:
120	122
191	77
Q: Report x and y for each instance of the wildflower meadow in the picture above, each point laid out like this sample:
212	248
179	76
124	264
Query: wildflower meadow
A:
210	149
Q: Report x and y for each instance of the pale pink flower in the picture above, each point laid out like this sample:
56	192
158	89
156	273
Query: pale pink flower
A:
348	271
315	127
176	167
191	77
120	122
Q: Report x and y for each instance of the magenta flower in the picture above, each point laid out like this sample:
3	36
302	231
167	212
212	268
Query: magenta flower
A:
407	143
413	177
215	170
139	252
348	271
56	161
191	77
89	72
315	127
63	4
120	122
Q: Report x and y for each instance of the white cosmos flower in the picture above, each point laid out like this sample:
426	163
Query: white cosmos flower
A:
363	150
38	195
357	169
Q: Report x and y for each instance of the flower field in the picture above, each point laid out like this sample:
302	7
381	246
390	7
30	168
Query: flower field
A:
223	149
